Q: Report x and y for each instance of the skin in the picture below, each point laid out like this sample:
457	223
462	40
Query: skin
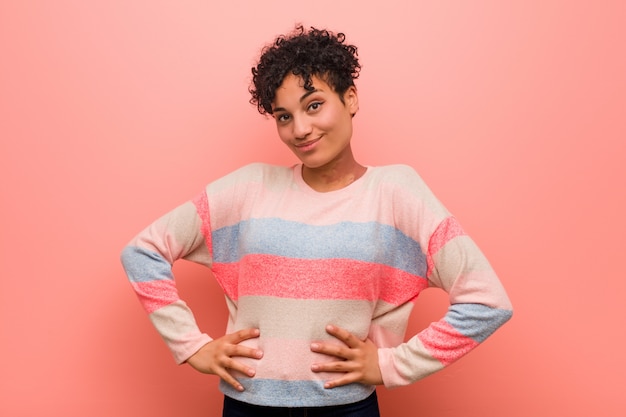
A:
357	361
216	357
317	127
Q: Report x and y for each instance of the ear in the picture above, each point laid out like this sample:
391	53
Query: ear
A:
351	99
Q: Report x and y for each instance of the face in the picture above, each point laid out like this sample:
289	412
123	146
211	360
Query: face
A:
316	125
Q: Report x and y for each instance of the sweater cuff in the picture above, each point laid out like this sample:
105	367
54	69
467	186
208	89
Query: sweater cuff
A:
391	377
185	350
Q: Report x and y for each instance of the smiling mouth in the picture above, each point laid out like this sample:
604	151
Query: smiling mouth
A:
307	144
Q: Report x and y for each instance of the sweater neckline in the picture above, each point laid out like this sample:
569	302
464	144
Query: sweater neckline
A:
348	189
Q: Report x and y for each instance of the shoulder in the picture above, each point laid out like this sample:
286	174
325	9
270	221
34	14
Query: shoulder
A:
398	176
397	169
408	192
252	174
258	170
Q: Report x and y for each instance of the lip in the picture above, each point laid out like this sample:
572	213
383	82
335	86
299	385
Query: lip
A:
307	146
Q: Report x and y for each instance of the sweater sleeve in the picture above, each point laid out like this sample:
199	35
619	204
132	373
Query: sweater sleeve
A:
478	306
148	260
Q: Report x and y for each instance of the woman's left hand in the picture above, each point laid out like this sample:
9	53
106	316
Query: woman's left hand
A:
358	359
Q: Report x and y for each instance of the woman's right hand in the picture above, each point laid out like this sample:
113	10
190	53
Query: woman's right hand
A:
216	357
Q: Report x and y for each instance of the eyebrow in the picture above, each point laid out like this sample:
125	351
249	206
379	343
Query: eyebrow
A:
304	96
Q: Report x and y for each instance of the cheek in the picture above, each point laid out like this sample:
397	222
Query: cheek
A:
337	119
328	122
338	123
283	134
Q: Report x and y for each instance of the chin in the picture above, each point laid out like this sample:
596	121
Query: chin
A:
309	161
313	164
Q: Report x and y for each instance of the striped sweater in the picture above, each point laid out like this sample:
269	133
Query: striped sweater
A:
291	260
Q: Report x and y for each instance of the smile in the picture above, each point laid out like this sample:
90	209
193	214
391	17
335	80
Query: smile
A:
307	146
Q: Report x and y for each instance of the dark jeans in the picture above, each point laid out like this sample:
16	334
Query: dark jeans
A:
365	408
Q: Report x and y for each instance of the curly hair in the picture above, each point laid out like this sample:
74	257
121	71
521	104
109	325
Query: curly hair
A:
315	52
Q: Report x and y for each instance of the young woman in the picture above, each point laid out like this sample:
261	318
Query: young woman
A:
320	263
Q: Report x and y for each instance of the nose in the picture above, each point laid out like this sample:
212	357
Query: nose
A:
301	127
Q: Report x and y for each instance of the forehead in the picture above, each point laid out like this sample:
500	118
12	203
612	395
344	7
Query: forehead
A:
293	87
295	82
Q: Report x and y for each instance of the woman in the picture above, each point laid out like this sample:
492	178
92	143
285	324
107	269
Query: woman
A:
321	262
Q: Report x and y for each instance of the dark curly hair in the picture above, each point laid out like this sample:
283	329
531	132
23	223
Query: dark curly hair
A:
315	52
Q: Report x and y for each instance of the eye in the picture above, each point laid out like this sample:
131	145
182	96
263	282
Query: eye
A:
282	118
316	105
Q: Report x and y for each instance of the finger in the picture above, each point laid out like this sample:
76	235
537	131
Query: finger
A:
245	351
243	334
338	366
230	363
345	379
343	335
332	349
238	350
229	379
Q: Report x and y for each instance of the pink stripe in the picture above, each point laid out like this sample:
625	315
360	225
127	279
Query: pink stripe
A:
202	206
318	279
156	294
480	287
447	230
445	343
226	276
274	366
384	337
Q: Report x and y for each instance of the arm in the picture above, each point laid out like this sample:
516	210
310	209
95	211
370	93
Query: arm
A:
148	260
447	259
478	306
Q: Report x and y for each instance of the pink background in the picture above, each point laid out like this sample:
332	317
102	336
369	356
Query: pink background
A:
113	112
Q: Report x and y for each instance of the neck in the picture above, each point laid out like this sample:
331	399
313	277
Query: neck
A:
333	176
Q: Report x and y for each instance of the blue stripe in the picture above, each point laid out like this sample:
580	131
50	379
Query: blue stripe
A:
279	393
367	242
476	321
142	265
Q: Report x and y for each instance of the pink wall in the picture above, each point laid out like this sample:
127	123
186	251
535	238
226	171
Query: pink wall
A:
113	112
